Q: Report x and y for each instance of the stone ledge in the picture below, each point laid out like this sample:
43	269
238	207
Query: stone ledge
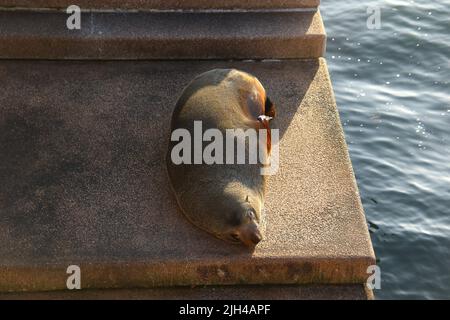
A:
167	35
267	292
164	4
82	147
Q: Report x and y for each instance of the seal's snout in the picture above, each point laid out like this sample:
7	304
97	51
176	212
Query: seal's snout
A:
250	235
255	237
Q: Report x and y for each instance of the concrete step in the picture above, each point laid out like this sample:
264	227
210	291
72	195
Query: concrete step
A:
163	4
242	292
82	147
162	35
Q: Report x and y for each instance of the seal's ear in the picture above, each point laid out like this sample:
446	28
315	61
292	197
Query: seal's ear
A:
246	199
269	108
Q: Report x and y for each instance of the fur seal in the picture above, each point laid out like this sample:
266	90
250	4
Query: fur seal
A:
225	200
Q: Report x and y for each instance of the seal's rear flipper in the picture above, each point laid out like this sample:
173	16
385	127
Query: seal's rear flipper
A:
269	108
265	122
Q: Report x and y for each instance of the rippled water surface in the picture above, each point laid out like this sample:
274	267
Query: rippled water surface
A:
393	93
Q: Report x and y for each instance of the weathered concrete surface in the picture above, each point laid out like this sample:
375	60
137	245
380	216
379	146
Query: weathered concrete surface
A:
249	292
163	4
82	147
166	35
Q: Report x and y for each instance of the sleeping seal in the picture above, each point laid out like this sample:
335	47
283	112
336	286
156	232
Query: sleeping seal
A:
222	198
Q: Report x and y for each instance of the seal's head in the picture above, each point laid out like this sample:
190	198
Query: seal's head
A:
234	219
242	225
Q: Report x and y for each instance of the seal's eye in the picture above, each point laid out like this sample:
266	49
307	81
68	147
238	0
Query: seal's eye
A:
251	214
234	237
